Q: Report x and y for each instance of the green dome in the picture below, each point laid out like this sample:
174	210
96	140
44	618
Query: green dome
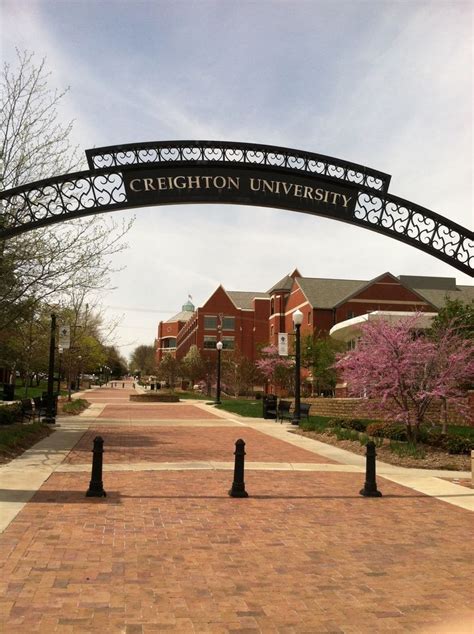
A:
188	307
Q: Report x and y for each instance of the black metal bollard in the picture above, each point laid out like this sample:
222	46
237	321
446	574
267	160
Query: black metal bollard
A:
238	485
96	487
370	487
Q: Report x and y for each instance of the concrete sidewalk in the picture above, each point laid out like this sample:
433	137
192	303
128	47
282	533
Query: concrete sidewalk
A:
168	549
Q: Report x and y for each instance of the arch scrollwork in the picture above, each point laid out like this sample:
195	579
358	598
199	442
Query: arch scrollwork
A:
182	172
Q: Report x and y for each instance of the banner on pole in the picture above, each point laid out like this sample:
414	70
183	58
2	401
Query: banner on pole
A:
283	344
64	340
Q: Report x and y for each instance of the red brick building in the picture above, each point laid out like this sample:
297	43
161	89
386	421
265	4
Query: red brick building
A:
168	331
243	320
237	318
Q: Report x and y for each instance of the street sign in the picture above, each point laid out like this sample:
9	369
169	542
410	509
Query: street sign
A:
64	340
283	344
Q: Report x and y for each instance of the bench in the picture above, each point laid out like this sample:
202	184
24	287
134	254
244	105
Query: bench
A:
304	410
284	411
285	414
27	409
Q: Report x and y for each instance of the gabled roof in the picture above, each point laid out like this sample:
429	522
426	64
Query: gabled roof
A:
378	279
286	282
244	299
325	293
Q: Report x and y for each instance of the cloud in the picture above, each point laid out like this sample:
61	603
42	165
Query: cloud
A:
383	84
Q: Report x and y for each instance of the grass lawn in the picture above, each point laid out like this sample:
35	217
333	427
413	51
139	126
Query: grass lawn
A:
14	439
243	407
460	430
31	392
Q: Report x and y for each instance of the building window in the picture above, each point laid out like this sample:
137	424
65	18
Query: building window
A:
350	314
210	342
352	344
169	343
272	330
228	323
309	317
272	306
228	343
210	322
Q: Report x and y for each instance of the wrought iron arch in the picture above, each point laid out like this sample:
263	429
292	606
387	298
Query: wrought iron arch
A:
181	172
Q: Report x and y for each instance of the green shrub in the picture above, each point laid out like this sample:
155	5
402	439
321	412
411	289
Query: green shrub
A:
407	449
345	434
435	438
336	422
451	442
353	423
394	431
458	444
363	439
9	414
76	406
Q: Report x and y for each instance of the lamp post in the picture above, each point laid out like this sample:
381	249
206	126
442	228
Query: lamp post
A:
50	409
219	346
60	354
297	321
79	358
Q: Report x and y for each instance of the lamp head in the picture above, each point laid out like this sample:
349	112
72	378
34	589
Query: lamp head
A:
297	318
219	345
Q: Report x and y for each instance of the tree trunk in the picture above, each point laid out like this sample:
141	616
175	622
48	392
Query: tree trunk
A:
444	410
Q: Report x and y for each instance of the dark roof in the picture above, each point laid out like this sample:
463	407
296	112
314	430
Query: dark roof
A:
284	284
323	293
437	289
422	281
437	296
244	299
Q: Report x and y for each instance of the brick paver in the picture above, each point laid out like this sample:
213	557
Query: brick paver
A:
158	411
174	444
106	395
171	551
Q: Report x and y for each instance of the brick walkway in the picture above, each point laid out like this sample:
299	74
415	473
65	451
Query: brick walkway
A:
158	411
175	444
171	551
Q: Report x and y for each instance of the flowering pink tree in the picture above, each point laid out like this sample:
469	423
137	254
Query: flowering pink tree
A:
275	369
402	371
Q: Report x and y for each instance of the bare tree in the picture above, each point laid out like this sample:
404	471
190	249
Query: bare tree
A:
47	263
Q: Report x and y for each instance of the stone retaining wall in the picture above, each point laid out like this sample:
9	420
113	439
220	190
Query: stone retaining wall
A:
351	408
147	397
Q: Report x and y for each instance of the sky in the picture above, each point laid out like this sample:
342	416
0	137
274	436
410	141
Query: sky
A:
387	84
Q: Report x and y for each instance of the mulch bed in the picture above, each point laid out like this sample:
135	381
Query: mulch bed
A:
434	459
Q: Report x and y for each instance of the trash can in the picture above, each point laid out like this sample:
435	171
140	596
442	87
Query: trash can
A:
8	392
269	403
